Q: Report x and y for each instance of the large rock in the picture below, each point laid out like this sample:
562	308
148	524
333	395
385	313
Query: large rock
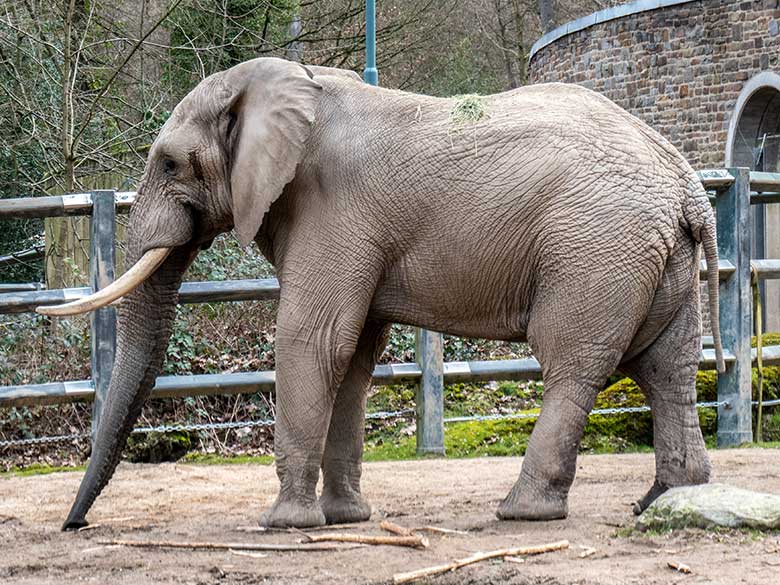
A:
714	504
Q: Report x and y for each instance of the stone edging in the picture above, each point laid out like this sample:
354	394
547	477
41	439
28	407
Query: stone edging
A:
599	17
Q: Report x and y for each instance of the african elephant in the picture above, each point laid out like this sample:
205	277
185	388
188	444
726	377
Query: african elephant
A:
545	214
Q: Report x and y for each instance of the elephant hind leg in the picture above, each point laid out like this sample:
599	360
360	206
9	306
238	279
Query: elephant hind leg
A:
341	500
578	345
666	373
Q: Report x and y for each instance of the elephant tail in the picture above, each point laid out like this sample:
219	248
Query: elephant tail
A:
701	219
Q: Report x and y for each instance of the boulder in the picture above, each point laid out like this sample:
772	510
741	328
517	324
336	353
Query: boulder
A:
708	505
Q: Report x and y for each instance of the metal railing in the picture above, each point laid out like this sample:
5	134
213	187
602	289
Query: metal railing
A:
731	190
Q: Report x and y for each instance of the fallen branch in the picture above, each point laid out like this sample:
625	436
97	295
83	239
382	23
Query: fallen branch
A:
437	530
248	554
413	541
395	528
98	548
517	560
483	556
679	567
262	529
226	546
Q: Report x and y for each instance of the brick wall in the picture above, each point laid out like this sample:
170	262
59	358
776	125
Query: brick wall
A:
679	68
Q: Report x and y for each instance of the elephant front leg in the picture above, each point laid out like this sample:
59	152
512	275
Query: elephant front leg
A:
341	499
311	362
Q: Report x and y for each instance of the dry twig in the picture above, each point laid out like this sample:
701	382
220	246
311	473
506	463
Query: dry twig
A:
587	551
437	530
228	545
517	560
248	554
679	567
395	528
414	541
261	529
475	558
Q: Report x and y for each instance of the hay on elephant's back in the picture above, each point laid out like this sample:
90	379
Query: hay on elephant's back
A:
467	113
469	109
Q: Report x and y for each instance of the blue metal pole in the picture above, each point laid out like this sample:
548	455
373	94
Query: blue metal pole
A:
370	73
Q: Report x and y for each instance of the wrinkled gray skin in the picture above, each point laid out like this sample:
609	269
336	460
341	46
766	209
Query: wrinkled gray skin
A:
558	219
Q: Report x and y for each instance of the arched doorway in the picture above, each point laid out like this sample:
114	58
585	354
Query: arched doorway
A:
754	142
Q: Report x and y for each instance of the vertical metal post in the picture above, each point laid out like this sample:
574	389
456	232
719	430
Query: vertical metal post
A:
102	259
430	393
734	386
370	73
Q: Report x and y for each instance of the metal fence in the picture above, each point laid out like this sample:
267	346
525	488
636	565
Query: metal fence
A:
732	192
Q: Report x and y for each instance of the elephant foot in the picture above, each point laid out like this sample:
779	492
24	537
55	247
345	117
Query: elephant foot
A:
520	505
287	513
345	508
650	497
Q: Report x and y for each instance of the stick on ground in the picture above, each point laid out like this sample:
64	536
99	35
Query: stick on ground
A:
253	555
475	558
679	567
414	541
227	545
395	528
438	530
269	529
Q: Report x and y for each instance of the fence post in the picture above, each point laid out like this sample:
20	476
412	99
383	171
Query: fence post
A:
102	258
430	393
734	386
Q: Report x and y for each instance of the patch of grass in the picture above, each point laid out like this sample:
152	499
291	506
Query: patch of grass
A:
391	398
764	445
195	458
158	447
468	109
39	469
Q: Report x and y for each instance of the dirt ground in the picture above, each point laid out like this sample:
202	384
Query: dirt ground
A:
209	503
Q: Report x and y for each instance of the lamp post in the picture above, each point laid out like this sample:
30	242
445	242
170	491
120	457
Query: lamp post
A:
370	74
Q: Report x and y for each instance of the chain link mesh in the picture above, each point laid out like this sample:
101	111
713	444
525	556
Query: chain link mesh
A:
204	426
43	440
370	416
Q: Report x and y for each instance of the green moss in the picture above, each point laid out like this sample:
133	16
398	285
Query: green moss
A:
466	439
390	398
158	447
617	432
767	339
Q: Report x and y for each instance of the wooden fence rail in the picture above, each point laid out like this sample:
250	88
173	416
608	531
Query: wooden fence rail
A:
732	192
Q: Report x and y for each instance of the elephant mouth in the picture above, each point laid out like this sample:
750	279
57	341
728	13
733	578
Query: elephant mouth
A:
129	281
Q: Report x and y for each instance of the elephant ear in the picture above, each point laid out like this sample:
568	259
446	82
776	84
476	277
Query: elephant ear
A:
271	117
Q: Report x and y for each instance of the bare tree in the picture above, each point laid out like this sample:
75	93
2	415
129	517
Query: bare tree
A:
547	14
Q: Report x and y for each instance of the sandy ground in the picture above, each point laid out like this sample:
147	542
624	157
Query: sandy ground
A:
209	503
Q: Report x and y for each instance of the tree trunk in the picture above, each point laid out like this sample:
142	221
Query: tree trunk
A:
547	14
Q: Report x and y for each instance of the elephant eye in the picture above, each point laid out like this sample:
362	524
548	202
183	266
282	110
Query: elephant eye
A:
231	124
169	165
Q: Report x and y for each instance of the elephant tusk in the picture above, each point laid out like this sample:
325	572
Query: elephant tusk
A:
130	280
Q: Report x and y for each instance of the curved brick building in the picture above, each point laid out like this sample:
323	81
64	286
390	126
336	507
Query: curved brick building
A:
704	73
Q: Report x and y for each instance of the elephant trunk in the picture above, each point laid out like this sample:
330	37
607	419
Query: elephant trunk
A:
144	324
